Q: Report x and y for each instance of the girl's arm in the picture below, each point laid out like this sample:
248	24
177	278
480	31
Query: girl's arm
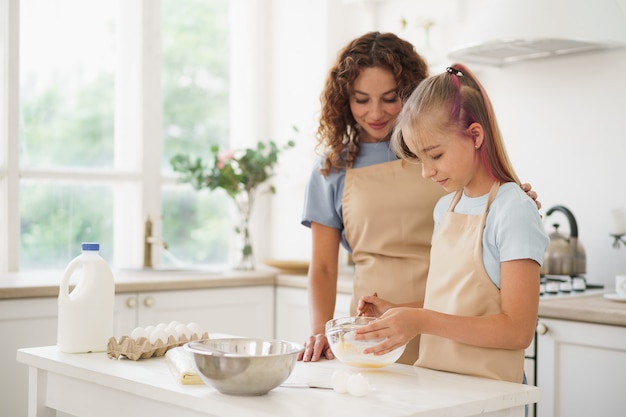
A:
513	328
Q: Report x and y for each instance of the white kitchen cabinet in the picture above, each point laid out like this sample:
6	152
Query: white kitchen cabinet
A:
292	313
244	311
30	322
581	369
24	322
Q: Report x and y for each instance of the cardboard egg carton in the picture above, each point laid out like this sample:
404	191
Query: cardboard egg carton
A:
141	348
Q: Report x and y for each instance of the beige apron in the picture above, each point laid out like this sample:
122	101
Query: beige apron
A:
388	220
464	290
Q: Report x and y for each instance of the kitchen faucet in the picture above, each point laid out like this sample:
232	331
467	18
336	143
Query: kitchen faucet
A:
148	241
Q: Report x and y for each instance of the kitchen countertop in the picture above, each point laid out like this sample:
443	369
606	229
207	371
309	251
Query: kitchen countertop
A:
75	383
34	284
589	308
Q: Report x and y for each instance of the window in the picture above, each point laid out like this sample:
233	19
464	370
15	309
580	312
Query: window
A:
66	128
108	92
195	80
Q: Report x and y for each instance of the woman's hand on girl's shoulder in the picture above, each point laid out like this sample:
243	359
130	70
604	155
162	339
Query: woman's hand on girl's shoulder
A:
532	194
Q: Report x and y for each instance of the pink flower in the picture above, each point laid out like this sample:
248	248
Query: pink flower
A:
224	157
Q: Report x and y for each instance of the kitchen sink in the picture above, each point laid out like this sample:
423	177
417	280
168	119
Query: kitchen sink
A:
173	269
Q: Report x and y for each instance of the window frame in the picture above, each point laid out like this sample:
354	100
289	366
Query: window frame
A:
138	178
9	116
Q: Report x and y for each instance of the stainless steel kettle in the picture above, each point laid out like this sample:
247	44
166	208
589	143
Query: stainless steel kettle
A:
565	255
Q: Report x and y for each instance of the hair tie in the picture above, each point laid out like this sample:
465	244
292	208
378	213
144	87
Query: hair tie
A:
454	71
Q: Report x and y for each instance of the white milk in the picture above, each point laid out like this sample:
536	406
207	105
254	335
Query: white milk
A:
86	313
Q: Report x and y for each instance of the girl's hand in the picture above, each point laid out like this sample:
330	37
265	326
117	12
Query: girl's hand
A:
397	327
372	306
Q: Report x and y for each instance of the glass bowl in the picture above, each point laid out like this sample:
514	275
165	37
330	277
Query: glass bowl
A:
340	334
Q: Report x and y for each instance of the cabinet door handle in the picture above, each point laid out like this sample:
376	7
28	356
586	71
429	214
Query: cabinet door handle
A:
131	302
148	301
542	328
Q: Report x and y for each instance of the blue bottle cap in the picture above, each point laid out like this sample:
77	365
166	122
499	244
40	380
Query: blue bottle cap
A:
90	246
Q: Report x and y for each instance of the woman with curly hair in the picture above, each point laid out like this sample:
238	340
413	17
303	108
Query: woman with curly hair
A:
360	195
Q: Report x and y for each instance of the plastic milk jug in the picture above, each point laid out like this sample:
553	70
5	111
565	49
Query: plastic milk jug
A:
86	313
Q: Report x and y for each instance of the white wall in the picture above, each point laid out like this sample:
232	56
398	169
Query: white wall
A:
563	124
563	119
305	36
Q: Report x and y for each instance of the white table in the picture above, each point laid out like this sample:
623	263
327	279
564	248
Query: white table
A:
92	385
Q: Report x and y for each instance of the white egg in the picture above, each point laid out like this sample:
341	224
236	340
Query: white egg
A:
138	332
358	385
161	326
158	334
173	324
170	331
340	381
195	329
150	329
182	329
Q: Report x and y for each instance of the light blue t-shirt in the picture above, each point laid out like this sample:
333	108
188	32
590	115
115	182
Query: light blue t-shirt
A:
513	228
323	195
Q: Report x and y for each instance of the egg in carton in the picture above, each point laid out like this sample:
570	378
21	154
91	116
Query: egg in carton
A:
146	343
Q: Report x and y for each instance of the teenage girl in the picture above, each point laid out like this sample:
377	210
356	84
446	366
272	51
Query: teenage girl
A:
482	292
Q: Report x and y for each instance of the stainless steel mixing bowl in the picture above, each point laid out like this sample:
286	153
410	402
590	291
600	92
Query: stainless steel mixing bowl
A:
244	366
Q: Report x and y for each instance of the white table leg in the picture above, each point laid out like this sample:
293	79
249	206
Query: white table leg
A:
37	388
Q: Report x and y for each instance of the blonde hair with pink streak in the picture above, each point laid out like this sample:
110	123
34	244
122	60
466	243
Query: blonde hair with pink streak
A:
459	92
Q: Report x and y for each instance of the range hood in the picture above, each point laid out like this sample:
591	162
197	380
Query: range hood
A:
509	31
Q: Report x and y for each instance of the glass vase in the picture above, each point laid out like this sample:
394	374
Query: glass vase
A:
244	260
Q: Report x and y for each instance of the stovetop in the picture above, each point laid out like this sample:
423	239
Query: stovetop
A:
565	286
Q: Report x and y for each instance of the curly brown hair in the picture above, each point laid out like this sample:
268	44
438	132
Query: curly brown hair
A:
338	129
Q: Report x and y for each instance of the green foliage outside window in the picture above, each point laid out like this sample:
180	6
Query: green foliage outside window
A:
70	124
196	78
